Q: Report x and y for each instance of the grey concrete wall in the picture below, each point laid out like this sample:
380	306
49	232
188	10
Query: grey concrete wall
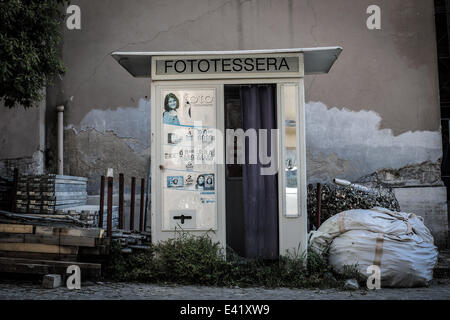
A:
22	139
429	203
380	98
377	108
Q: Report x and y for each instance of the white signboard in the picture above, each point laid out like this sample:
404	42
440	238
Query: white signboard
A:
189	159
221	67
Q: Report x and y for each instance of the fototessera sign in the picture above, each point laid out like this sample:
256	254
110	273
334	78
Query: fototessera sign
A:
227	66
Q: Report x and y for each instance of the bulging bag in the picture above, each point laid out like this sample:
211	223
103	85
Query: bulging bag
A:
398	242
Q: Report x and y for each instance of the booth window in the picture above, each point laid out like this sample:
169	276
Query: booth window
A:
290	100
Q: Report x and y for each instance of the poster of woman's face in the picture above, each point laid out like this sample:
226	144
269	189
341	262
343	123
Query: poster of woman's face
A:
185	107
171	104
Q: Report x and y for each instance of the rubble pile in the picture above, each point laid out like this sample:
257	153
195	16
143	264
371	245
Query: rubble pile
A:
423	174
338	198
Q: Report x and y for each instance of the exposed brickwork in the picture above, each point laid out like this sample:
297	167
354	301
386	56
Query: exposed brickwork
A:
26	165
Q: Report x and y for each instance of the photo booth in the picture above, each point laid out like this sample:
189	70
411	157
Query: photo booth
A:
228	153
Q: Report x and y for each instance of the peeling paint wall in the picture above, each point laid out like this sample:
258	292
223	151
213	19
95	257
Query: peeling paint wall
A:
128	123
90	152
376	111
392	71
383	88
349	144
118	139
378	107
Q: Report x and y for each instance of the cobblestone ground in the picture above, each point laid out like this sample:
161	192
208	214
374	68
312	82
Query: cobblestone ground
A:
18	290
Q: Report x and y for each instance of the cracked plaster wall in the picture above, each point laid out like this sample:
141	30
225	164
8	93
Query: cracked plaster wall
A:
90	152
118	139
349	144
130	124
378	106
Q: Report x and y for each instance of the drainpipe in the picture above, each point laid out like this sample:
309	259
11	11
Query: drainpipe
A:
60	110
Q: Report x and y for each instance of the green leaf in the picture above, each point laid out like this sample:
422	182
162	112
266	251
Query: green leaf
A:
30	34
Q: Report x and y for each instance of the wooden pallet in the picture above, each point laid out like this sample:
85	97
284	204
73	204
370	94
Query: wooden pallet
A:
47	242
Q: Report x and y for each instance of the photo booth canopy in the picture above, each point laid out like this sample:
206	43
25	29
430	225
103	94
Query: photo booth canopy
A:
316	60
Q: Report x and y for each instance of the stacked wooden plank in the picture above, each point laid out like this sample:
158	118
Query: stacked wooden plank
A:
56	220
49	193
55	243
28	248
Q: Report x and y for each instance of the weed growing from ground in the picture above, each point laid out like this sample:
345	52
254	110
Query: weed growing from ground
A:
197	260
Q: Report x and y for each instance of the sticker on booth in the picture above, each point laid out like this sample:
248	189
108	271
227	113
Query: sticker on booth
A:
189	158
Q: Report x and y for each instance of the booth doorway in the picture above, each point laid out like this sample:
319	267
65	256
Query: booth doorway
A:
251	198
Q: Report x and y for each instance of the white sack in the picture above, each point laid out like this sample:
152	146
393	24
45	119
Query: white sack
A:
404	251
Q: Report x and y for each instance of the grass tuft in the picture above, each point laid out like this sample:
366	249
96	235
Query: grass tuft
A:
197	260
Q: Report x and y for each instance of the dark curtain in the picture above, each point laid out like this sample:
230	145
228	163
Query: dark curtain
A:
260	191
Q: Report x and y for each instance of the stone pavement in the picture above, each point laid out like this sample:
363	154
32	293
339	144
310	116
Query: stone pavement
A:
18	290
